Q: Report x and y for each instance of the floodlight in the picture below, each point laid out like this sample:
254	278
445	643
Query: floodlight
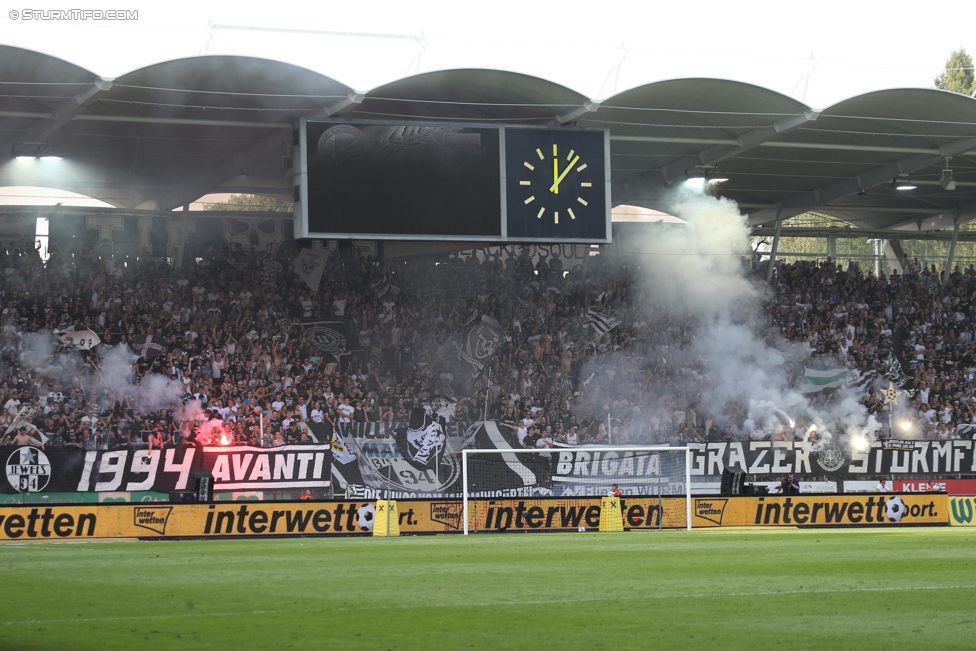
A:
946	181
902	184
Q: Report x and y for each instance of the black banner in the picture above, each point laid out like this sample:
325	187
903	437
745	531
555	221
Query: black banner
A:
366	460
778	458
32	470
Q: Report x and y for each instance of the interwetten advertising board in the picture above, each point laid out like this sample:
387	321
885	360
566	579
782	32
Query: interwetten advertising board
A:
819	510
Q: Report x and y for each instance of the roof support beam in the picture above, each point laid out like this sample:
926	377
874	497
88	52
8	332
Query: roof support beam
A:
578	112
46	126
352	100
804	201
715	154
732	142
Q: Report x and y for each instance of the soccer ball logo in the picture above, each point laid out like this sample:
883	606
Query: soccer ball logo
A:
895	509
365	516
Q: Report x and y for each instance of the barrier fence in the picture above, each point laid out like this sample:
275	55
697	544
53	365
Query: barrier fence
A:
350	517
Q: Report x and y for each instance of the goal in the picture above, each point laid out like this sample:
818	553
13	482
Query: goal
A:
489	476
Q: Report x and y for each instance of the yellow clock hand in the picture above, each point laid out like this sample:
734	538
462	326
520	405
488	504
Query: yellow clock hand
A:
555	186
555	175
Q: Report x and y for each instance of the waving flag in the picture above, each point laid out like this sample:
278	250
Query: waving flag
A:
600	322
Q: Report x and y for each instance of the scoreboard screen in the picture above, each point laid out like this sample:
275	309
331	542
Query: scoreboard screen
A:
447	182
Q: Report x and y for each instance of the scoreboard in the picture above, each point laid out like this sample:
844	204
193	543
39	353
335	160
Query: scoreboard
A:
451	182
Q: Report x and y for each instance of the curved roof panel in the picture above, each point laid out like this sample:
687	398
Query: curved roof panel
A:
232	87
472	95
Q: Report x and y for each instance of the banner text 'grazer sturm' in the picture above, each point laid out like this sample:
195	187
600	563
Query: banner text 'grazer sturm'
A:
778	458
31	470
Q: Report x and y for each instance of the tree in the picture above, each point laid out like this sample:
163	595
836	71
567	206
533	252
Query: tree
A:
958	75
256	202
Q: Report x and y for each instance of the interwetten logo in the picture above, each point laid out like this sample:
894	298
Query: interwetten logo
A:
154	519
711	510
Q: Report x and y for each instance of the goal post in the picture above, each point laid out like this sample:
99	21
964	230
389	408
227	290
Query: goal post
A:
576	472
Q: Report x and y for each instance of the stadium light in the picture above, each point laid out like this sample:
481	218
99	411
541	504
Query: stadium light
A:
902	185
946	180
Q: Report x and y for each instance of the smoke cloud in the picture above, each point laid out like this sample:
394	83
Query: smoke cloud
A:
693	281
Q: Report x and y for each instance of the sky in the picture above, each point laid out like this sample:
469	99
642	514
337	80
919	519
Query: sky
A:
594	48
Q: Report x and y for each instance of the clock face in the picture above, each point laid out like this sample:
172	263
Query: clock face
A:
556	186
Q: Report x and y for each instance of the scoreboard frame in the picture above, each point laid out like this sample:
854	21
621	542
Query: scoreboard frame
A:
509	183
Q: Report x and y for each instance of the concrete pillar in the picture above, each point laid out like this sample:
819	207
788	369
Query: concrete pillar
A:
773	251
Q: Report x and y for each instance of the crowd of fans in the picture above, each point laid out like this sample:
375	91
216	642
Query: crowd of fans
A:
234	341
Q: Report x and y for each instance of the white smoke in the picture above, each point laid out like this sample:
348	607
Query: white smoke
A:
118	379
697	273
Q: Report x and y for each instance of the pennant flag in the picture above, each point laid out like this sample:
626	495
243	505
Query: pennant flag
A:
815	379
340	452
77	339
23	418
600	322
148	346
309	266
465	356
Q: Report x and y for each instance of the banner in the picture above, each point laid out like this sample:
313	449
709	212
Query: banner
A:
636	472
962	511
499	516
32	470
241	519
779	458
949	486
357	517
818	510
423	460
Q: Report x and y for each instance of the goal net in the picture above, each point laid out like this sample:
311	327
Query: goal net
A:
652	479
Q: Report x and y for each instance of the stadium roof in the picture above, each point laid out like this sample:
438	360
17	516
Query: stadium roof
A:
162	136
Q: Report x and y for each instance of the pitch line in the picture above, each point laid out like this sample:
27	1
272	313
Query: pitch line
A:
527	602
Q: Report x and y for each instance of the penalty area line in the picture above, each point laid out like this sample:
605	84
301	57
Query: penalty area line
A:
488	604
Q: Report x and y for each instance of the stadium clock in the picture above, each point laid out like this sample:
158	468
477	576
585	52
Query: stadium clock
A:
556	184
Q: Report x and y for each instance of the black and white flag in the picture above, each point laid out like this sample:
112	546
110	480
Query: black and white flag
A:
148	346
466	355
309	266
77	339
382	287
600	322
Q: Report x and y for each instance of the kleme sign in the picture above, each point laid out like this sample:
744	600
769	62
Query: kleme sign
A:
962	511
819	510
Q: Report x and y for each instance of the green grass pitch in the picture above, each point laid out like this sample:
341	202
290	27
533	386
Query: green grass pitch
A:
827	589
